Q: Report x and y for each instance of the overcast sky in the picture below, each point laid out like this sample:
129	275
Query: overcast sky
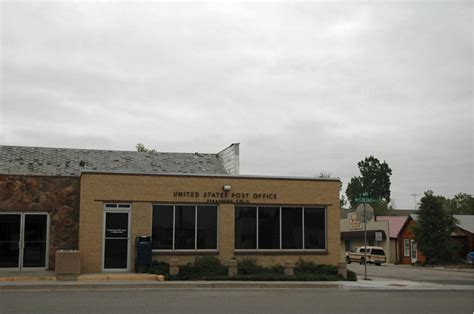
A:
304	87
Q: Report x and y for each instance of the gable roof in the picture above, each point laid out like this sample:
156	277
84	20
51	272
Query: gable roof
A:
466	222
395	224
24	160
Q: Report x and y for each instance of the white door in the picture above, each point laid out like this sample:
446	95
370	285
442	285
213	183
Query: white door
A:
414	251
116	252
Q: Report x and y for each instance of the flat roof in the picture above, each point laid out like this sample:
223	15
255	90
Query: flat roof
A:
239	176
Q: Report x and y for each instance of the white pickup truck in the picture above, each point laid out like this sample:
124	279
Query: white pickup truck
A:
375	255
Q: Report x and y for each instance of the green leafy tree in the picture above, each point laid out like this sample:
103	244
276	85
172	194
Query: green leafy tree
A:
382	208
354	188
433	229
374	179
461	204
141	148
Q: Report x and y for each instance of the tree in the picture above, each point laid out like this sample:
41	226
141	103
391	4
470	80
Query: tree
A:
382	208
374	179
433	229
141	148
461	204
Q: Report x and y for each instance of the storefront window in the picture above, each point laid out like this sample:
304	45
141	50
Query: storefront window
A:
280	228
162	230
314	231
269	227
292	228
246	228
207	228
184	227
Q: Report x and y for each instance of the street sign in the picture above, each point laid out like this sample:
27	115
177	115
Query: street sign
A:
369	212
378	236
364	198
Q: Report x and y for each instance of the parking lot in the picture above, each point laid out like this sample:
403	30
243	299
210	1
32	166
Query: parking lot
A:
417	273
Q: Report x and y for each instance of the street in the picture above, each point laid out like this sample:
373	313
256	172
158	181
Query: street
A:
236	301
414	273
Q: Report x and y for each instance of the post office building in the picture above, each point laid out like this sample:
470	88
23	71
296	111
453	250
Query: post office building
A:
190	204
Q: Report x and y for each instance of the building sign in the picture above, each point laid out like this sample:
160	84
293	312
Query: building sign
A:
115	232
378	236
227	197
354	222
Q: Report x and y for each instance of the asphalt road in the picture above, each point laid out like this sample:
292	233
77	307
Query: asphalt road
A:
414	273
236	301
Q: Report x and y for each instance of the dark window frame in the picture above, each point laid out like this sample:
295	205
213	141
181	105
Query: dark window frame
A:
281	249
196	217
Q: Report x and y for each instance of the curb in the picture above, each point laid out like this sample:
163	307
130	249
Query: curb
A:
159	285
82	278
166	285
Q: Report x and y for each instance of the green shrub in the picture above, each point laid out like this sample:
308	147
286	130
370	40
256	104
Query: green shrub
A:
249	266
159	268
351	276
310	267
203	267
209	265
210	268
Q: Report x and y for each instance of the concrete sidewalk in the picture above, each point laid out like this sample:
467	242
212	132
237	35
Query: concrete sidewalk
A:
119	283
98	277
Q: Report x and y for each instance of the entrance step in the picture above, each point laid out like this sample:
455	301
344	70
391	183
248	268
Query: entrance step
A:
28	278
103	277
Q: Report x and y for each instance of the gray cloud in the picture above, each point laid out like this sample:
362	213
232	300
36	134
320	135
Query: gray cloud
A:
304	87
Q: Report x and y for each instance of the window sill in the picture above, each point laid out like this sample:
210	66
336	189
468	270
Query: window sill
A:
281	252
180	253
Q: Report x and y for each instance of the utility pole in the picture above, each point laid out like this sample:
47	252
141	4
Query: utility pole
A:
364	198
415	195
365	244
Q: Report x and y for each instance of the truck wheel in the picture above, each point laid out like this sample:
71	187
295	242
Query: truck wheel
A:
348	260
362	261
378	263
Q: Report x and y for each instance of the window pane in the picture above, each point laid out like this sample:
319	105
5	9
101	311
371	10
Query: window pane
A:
268	227
314	228
35	227
184	227
291	228
245	228
34	254
10	227
9	254
377	252
162	230
116	225
115	255
207	227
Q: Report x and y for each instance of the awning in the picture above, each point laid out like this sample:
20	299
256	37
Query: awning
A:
353	235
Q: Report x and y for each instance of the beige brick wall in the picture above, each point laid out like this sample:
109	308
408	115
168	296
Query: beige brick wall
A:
144	190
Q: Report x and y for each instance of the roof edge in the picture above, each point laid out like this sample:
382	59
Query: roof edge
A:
240	176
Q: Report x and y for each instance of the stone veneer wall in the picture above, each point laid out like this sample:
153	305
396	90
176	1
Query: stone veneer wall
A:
58	196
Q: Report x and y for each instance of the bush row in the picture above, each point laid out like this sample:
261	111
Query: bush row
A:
210	268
